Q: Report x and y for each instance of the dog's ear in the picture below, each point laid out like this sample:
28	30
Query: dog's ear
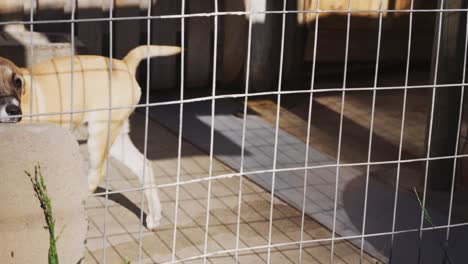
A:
18	81
23	89
21	72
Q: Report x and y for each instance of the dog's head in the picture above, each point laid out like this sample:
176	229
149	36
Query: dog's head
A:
11	89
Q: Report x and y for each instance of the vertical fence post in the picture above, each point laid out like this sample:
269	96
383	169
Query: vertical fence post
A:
126	33
447	99
165	71
233	39
90	33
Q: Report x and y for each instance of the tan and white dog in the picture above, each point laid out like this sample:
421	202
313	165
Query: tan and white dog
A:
52	95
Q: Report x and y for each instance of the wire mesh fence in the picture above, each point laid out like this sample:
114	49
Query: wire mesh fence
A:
361	237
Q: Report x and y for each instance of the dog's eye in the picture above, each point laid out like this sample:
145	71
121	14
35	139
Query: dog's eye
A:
17	81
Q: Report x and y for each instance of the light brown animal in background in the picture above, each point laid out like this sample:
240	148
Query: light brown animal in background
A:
52	95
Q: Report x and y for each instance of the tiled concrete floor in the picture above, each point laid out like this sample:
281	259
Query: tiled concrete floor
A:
387	127
325	120
122	227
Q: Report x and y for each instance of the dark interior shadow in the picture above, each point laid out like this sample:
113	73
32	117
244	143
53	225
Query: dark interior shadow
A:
327	121
14	51
379	219
195	131
125	202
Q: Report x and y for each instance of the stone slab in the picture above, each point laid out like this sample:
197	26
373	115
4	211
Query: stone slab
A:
23	237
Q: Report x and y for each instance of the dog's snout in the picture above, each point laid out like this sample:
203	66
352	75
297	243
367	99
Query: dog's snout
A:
12	109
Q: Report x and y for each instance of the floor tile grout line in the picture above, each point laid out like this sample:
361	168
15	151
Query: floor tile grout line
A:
164	240
236	212
95	226
109	245
253	209
296	223
275	219
221	221
198	200
125	233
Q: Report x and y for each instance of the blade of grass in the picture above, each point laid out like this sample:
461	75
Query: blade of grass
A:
428	218
426	214
40	189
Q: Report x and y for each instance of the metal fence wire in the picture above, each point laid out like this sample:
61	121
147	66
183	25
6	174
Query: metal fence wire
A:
238	247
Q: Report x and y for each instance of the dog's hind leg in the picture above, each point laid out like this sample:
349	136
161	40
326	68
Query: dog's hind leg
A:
125	151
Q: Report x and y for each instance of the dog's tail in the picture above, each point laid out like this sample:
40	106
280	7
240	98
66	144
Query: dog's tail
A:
137	54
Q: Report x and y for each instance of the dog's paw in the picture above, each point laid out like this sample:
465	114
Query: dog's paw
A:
152	223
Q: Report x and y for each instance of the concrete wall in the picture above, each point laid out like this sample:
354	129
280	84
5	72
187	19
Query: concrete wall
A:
23	237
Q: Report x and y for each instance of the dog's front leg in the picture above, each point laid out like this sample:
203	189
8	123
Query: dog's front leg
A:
98	150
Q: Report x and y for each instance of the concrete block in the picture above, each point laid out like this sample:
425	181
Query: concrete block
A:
16	46
23	236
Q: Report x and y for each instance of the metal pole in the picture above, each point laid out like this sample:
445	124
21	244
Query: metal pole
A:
447	100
